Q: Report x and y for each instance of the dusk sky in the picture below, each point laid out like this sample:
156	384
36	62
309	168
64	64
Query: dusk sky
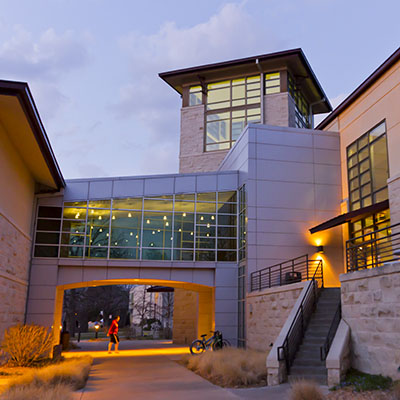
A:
92	65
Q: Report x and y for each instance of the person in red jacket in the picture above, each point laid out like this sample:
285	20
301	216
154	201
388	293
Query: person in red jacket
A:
113	333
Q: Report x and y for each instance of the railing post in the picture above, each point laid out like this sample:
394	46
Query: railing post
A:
322	273
259	280
280	274
307	265
269	276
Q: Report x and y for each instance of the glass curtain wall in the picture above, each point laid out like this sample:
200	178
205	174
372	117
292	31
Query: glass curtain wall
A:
183	227
302	110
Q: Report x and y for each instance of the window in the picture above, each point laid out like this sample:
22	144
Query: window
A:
272	83
302	111
230	106
184	227
367	168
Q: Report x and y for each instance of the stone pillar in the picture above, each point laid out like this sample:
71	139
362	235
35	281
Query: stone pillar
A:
394	199
192	157
57	322
185	318
206	313
276	109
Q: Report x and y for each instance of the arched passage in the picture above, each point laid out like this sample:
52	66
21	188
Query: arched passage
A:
193	305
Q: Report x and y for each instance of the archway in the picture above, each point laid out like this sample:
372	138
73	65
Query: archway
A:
193	305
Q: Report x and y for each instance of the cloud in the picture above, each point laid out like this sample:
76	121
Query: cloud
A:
230	33
45	57
43	60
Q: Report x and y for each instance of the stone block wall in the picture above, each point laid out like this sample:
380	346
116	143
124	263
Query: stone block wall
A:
15	249
185	316
192	157
371	308
267	312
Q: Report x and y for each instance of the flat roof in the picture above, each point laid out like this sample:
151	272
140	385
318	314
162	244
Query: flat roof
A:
19	112
294	59
387	64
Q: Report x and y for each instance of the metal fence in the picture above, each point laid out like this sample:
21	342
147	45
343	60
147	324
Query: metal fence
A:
295	270
373	249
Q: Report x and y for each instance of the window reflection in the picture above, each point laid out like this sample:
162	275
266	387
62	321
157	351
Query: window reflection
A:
184	227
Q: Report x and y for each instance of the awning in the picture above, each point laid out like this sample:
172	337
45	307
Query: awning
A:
351	216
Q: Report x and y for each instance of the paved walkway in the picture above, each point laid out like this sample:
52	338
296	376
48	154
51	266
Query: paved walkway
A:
148	370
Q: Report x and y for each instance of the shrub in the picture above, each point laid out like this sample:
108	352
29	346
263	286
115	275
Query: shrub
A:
38	392
305	390
26	344
229	367
361	381
72	372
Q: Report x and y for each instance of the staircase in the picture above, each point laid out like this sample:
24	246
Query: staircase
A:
308	364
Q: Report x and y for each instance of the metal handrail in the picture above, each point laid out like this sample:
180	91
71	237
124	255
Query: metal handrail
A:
295	270
324	349
295	334
373	249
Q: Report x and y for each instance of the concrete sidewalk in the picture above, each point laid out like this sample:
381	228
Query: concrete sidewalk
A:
156	377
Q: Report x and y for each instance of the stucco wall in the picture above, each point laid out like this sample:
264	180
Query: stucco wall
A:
379	102
394	199
371	307
16	206
267	311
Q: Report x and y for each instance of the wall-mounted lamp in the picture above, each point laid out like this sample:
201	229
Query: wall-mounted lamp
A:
320	249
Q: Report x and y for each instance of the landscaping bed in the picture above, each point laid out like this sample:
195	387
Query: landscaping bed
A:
45	380
229	367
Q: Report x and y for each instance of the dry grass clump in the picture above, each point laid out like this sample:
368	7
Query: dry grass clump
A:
396	390
229	367
72	372
38	392
26	344
305	390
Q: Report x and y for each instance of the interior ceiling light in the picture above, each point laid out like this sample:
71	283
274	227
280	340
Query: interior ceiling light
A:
165	218
148	221
179	230
113	217
201	218
154	232
101	230
208	225
167	224
212	217
100	217
184	215
131	233
129	215
191	233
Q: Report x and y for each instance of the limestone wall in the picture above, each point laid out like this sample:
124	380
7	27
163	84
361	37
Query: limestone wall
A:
15	249
371	307
267	311
185	316
192	157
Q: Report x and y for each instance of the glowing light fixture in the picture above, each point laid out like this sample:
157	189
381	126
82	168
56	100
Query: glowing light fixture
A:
107	234
179	230
131	233
165	218
113	217
167	224
208	235
201	218
320	249
77	215
184	215
212	217
92	212
100	217
191	233
148	221
153	233
129	215
208	225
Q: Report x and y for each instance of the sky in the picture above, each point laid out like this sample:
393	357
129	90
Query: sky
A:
92	65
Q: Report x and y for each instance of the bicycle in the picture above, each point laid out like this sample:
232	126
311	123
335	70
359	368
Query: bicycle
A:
215	342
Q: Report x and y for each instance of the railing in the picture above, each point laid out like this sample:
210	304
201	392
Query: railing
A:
324	349
373	249
295	270
294	337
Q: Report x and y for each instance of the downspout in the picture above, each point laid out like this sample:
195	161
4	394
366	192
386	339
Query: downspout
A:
262	89
310	114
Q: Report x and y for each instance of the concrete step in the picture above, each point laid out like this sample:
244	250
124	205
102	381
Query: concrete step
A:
320	379
307	370
313	341
308	362
312	353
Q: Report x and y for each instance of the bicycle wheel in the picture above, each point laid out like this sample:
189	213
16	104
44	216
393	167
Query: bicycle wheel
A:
197	347
217	345
225	343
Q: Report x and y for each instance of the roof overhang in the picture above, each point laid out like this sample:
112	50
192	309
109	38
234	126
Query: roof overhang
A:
294	60
21	121
393	59
351	216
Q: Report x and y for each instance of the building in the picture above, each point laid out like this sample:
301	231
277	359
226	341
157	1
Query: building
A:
258	186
